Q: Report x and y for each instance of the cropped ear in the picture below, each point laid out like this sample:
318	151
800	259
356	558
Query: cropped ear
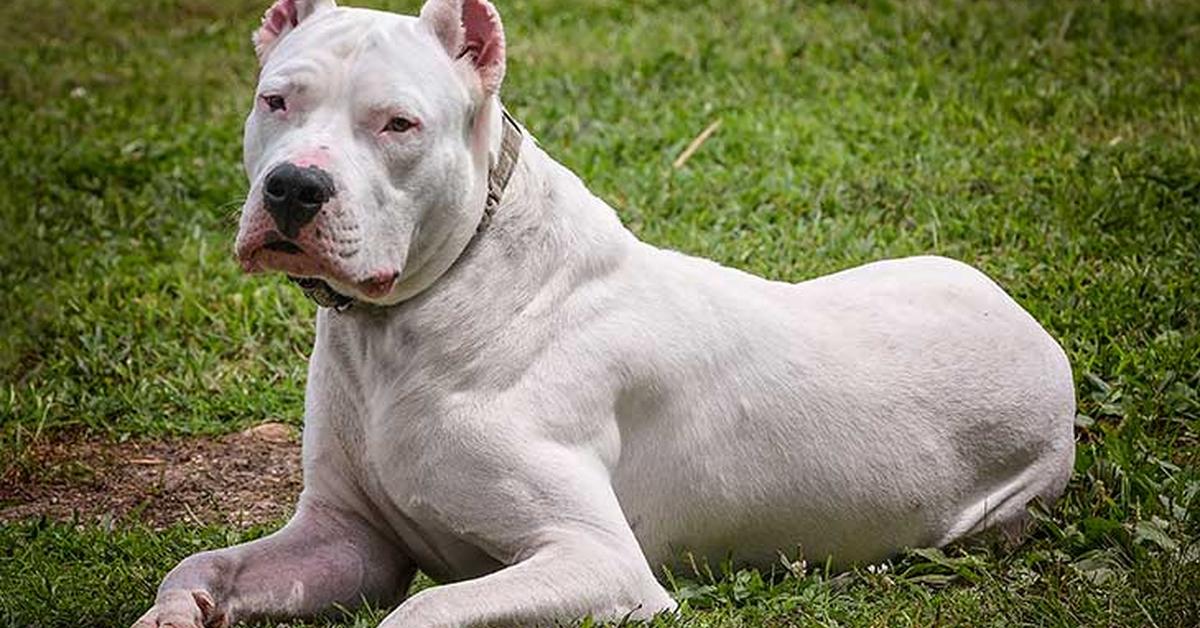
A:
280	19
471	29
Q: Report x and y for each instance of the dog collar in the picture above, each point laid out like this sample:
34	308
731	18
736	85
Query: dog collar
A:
320	292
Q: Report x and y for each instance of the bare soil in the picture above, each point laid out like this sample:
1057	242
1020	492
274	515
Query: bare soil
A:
240	480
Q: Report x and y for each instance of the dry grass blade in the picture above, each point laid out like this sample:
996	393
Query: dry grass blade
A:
695	144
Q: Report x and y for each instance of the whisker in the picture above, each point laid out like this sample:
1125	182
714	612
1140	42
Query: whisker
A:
235	205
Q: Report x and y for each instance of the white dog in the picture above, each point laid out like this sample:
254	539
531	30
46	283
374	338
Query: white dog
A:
516	396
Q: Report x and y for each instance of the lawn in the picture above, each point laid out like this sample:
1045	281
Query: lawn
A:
1052	144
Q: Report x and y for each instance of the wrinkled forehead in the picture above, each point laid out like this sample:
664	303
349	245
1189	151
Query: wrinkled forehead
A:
366	54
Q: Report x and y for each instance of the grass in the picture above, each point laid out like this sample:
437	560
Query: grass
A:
1052	144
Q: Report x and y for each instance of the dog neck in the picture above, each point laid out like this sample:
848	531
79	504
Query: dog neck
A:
548	237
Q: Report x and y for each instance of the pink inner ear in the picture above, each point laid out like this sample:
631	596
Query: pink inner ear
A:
281	16
484	41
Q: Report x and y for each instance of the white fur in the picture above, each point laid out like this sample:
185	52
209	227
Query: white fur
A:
566	409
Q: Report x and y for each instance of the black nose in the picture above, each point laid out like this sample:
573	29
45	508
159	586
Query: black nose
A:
293	195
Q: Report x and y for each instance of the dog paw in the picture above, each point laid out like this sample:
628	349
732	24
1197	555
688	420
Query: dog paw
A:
183	609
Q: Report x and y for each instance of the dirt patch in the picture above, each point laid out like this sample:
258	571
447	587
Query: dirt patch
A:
239	479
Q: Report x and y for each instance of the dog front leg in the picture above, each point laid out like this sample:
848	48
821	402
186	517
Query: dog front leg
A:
321	558
554	519
562	582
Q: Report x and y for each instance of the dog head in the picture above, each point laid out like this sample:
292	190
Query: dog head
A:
368	144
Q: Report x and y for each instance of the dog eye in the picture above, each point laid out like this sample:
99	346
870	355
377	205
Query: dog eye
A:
398	125
275	102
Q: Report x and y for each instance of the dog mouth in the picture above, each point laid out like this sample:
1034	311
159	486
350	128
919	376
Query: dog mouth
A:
284	246
279	253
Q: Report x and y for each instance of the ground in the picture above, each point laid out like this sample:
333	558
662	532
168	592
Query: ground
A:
241	479
1051	144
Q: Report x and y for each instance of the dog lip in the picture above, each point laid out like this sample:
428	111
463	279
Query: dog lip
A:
269	257
379	284
269	250
284	256
283	246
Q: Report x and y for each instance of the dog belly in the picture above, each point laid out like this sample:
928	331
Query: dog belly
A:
902	404
791	491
